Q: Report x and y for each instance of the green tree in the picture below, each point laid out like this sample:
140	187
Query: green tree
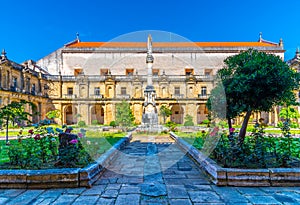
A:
53	114
165	112
113	124
256	81
188	120
124	115
289	113
14	113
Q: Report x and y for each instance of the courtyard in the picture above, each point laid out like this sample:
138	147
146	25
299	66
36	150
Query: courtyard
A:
151	169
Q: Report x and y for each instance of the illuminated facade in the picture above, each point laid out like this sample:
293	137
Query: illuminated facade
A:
85	80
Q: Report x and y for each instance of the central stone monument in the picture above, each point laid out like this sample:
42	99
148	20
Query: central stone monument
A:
150	117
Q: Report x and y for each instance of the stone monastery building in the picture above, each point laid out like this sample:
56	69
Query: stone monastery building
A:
85	80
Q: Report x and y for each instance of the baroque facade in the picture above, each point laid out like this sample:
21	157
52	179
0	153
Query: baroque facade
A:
24	82
85	80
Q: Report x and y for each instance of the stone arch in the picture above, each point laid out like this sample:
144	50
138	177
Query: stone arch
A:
35	113
177	113
97	113
70	113
202	113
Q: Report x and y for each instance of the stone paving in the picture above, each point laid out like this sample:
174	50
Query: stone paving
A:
153	170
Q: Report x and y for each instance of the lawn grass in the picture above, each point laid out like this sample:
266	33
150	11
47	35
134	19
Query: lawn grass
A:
97	143
15	131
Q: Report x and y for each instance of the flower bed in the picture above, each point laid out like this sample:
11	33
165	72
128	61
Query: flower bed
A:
240	177
45	147
64	177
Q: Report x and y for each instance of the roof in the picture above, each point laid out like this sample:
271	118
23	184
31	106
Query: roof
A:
169	44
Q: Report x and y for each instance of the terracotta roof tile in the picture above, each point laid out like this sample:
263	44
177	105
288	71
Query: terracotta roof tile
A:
169	44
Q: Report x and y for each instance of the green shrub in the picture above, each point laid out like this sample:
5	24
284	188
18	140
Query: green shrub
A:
294	125
222	123
259	150
188	121
95	122
81	124
113	124
206	122
171	125
41	147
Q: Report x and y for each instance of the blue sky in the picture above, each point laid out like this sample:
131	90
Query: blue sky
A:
33	29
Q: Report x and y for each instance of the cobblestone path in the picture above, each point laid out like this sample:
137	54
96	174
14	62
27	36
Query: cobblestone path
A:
153	170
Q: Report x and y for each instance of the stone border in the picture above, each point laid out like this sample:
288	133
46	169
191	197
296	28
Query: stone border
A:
61	178
240	177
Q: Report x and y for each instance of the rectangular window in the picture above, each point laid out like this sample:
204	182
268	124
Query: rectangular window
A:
155	72
203	91
15	82
177	91
129	72
28	85
104	71
33	88
97	91
70	91
189	71
123	90
78	71
208	72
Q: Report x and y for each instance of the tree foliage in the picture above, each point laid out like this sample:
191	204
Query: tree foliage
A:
289	113
165	112
53	114
124	115
256	81
14	113
188	120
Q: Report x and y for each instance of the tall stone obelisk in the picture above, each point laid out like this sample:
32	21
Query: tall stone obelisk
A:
150	117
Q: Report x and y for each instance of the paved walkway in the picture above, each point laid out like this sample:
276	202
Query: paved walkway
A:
152	170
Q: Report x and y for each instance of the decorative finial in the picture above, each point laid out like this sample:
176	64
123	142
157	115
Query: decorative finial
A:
260	37
77	37
281	43
297	51
3	54
149	58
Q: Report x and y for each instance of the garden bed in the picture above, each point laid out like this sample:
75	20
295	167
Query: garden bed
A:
64	177
240	177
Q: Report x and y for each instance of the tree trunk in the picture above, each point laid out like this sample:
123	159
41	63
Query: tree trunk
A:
243	130
7	131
